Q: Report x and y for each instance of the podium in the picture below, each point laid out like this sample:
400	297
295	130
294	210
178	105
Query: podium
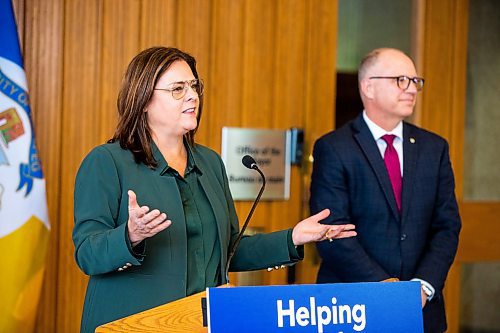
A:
184	315
342	307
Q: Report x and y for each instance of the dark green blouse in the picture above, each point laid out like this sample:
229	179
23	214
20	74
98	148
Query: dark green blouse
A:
203	248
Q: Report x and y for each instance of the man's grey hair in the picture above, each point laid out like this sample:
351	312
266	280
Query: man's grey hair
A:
370	60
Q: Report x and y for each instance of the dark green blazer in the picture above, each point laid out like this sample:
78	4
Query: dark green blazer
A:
123	282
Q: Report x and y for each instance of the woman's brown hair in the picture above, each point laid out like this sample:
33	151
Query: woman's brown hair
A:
136	91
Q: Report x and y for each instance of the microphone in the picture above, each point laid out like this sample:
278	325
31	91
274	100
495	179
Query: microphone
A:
250	163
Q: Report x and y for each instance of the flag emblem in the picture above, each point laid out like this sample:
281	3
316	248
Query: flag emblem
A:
24	223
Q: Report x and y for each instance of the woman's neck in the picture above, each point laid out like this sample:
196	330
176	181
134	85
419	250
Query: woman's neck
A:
173	151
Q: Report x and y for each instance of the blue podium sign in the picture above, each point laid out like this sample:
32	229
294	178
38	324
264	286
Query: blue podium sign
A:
340	308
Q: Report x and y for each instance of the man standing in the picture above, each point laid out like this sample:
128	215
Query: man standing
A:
394	181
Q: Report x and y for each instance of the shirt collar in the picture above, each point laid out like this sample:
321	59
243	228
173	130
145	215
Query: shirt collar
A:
378	131
191	160
163	165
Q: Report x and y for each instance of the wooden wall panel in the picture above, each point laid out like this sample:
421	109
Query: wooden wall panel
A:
194	29
40	28
444	65
444	45
320	67
257	83
81	108
319	113
265	64
289	91
193	36
120	43
479	238
158	23
224	86
259	60
223	102
288	103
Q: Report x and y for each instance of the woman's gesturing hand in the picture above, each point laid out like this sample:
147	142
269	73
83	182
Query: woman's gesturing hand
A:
310	230
143	223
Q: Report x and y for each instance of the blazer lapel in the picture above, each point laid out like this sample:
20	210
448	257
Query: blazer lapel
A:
220	216
369	147
217	201
410	153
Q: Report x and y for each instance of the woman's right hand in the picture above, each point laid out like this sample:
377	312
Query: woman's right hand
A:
143	223
310	230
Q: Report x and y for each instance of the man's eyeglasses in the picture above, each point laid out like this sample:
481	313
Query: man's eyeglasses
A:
404	81
179	89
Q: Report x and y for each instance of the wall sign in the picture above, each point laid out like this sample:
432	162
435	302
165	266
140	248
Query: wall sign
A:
271	151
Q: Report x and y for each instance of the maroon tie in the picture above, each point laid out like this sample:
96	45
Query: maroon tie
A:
391	160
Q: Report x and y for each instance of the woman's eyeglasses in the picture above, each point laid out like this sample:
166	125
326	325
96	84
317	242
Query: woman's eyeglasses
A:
179	89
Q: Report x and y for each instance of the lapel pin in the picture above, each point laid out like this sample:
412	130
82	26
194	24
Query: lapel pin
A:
412	140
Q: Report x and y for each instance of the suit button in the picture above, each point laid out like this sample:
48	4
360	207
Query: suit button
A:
120	269
403	237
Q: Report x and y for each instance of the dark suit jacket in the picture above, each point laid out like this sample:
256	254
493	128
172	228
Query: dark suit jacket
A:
158	274
349	177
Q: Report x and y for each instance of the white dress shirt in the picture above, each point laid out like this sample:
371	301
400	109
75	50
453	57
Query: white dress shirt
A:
378	132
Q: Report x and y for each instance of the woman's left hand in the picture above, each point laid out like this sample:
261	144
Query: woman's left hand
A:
310	230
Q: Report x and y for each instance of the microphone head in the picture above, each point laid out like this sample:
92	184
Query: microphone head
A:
249	162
